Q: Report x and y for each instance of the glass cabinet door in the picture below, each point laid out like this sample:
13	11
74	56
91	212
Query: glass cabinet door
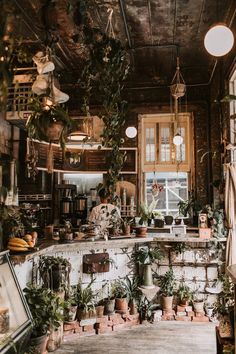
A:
15	317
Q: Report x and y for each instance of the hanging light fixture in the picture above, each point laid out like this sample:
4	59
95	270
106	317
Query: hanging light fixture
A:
177	89
131	132
219	40
77	135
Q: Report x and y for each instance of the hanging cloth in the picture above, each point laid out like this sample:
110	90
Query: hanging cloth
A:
230	211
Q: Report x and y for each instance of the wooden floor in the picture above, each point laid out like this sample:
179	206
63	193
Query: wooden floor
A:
159	338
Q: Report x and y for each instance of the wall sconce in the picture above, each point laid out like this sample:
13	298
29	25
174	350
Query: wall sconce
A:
131	132
219	40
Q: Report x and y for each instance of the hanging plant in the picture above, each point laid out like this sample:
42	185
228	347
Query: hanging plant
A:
107	69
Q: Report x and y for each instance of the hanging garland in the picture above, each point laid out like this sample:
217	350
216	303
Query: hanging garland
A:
107	69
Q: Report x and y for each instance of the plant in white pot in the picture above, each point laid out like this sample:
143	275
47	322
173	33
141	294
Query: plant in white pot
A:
198	303
168	288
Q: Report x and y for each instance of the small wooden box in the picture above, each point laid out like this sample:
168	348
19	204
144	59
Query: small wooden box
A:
178	229
205	233
96	263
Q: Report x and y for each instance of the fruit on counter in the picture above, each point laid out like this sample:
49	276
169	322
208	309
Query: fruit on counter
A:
18	241
17	244
31	243
28	238
34	234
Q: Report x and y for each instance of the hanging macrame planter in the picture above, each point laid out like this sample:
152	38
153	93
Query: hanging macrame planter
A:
178	87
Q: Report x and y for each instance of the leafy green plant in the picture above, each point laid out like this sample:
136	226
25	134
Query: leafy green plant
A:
225	300
179	247
10	223
46	309
147	255
146	309
42	118
190	206
54	272
158	215
131	287
168	283
107	69
84	297
185	293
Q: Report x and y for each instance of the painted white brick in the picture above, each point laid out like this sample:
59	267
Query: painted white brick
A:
189	256
212	273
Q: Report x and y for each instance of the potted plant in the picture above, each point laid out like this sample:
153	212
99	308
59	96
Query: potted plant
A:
46	309
55	272
120	294
127	221
158	219
115	222
85	301
190	207
133	293
185	294
198	303
109	302
167	284
49	123
145	257
168	219
70	305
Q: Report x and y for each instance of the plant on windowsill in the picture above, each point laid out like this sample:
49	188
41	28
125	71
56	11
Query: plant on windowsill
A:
158	218
168	288
127	222
190	207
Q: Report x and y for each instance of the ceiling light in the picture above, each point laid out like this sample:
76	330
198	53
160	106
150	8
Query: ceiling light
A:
178	139
219	40
131	132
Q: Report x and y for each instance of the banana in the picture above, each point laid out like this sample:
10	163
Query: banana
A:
14	248
19	241
15	244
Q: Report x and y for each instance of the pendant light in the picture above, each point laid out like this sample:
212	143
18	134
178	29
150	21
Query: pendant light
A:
219	40
131	132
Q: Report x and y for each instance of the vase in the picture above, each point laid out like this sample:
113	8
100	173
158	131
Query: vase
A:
38	344
147	275
99	311
169	219
121	305
133	307
141	231
167	302
159	223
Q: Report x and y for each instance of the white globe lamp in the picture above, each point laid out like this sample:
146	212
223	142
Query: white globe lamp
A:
219	40
131	132
178	139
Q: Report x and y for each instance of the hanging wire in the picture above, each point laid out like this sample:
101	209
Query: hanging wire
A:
109	27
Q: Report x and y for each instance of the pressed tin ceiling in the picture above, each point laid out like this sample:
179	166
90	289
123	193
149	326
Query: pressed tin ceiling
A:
153	31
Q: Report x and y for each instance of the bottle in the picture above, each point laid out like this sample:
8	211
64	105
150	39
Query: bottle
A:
124	197
132	206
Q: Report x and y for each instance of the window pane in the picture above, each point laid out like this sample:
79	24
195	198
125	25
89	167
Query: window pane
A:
150	144
165	144
175	189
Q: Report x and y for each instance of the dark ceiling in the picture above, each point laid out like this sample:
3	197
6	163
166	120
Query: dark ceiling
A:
154	32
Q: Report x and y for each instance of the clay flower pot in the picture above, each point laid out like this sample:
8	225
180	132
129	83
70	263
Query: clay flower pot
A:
141	231
121	305
167	303
109	307
99	311
159	223
169	219
133	307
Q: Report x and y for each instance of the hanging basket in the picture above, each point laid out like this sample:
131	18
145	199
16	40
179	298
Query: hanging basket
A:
178	90
54	131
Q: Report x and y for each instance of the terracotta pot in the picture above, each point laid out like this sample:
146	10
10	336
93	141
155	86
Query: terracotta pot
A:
109	307
121	305
39	344
133	307
159	223
54	131
141	231
169	219
178	221
126	229
83	314
99	311
55	339
198	306
70	314
167	303
184	302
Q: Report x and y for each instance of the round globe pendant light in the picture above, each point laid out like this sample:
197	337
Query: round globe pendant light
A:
219	40
131	132
178	139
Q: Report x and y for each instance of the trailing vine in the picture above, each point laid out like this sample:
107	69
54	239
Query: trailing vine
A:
106	70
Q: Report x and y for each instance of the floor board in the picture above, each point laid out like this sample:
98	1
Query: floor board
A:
159	338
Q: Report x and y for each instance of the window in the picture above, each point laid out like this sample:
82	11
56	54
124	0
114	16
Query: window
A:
161	160
232	91
175	190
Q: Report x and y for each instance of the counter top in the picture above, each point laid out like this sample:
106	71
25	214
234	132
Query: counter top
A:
49	246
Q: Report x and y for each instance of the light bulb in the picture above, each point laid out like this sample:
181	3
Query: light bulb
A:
131	132
219	40
178	139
